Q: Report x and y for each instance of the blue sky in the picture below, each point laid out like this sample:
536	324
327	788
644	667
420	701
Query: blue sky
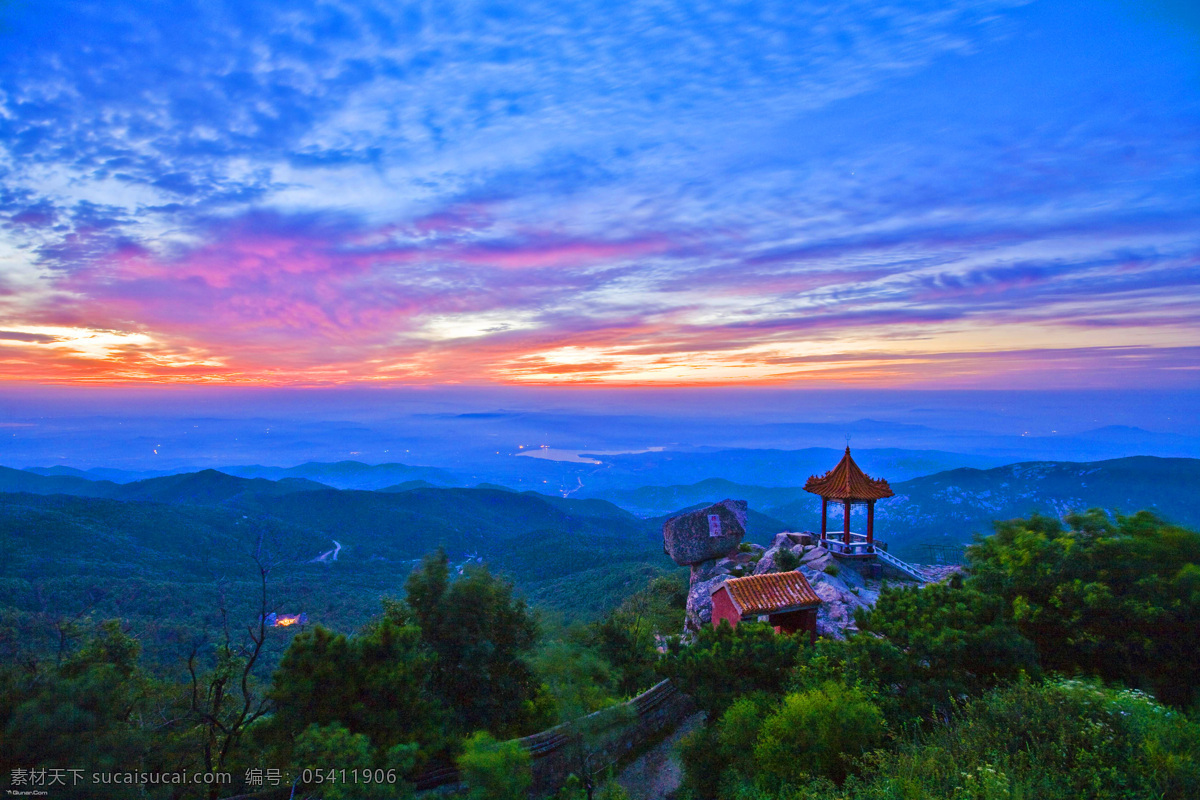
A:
929	195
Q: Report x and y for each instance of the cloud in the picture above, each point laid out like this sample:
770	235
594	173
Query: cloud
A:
677	191
36	338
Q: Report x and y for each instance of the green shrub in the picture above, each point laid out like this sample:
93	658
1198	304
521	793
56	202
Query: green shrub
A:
1059	740
786	560
1050	741
744	547
721	754
726	663
574	789
1115	598
921	649
703	764
832	569
817	733
319	747
495	770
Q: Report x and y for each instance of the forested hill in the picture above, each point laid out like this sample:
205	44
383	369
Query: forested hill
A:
203	488
951	506
965	501
169	566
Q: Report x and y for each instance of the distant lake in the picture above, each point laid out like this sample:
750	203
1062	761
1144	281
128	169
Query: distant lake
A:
578	456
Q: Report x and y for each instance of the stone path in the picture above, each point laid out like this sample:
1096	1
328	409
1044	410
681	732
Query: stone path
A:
656	775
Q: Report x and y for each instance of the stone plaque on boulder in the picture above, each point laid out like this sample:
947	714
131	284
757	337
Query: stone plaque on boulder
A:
705	534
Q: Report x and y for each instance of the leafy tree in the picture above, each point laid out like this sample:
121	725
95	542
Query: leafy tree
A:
373	685
495	770
921	648
725	663
481	635
578	680
723	751
628	636
329	752
84	713
1116	598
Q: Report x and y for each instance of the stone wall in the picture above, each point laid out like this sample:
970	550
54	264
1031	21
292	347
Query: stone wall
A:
609	735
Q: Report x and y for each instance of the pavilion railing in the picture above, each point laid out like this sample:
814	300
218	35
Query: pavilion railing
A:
855	548
834	541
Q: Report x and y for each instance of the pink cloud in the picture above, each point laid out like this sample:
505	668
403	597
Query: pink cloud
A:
533	255
269	293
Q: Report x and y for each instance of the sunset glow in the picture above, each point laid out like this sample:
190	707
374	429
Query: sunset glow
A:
984	195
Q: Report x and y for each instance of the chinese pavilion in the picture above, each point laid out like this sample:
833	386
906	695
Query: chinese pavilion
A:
848	485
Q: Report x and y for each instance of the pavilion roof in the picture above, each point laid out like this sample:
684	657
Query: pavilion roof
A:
847	482
775	591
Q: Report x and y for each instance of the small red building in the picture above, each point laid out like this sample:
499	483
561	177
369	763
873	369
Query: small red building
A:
785	598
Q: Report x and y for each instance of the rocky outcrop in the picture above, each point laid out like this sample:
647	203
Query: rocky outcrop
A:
793	543
708	575
699	603
734	562
840	598
707	534
839	584
843	589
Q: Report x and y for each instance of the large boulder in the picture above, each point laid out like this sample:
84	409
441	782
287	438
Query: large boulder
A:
790	539
815	558
706	534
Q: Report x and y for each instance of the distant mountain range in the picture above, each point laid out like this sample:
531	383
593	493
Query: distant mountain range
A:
955	505
206	487
170	547
598	476
950	507
340	475
350	474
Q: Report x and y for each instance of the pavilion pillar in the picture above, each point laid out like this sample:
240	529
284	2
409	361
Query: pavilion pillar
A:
824	506
846	526
870	522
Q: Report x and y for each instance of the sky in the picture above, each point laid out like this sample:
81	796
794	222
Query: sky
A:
969	195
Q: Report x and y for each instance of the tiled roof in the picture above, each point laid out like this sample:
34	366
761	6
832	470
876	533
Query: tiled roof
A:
762	594
847	482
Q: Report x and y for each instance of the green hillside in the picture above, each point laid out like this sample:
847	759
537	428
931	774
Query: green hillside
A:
951	507
19	480
167	552
168	567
